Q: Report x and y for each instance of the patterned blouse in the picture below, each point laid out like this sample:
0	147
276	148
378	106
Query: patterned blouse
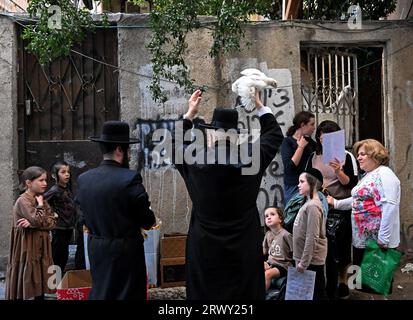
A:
367	207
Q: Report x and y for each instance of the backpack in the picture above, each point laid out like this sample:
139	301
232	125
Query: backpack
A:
291	210
294	205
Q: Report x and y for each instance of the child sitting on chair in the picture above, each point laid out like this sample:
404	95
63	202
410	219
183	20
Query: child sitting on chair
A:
278	245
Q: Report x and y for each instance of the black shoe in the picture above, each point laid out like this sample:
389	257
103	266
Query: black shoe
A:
343	291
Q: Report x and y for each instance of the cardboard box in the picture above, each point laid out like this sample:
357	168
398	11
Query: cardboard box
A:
75	285
173	246
172	272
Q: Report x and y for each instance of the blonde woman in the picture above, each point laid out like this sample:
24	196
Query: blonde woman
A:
375	200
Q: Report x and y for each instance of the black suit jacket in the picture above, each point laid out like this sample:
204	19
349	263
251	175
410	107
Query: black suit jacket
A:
224	245
115	206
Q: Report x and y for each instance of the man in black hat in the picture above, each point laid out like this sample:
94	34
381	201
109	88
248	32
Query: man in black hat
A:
115	206
224	258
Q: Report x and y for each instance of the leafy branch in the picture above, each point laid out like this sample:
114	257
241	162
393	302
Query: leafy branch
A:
171	21
55	33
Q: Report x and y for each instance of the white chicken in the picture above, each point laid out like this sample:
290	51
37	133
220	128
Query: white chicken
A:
251	80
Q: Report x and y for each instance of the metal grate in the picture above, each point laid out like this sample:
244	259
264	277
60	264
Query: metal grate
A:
329	87
61	105
71	98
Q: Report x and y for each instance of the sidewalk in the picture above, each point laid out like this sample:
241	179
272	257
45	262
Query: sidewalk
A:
402	289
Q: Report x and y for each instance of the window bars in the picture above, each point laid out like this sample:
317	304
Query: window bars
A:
329	87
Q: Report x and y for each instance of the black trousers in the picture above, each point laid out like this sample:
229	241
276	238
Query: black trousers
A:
339	235
332	277
60	246
80	263
320	282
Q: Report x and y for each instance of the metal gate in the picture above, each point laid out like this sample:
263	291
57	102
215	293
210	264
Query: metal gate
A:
61	105
329	87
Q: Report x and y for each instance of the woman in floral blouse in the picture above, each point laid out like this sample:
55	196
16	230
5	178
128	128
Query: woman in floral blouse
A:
375	200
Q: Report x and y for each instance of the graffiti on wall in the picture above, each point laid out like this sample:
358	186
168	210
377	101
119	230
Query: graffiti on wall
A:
281	102
144	131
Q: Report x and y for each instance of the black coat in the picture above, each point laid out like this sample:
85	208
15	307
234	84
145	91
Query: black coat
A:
115	207
224	257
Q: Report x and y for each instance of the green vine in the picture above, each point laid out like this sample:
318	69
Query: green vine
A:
171	21
46	40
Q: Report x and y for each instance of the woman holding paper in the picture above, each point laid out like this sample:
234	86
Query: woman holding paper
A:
295	150
339	178
375	200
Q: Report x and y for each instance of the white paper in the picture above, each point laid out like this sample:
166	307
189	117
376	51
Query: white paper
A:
334	146
151	247
300	285
85	240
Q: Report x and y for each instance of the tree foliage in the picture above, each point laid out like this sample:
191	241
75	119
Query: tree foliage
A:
46	40
334	9
172	20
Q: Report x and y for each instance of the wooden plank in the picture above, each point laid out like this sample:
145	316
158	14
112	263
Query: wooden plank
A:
36	90
67	119
45	102
78	123
111	76
31	92
56	111
99	89
88	90
21	105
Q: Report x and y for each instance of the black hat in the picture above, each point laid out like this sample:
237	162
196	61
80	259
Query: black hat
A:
223	118
315	173
115	132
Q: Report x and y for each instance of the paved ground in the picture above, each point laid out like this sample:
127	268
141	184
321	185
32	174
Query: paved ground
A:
402	289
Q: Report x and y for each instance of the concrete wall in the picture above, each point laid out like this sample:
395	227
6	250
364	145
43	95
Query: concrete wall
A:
8	132
279	45
170	200
275	49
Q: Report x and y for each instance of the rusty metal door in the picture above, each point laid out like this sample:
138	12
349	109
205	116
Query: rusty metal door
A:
61	105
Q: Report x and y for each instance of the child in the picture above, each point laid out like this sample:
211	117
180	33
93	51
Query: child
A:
30	249
277	244
309	231
61	200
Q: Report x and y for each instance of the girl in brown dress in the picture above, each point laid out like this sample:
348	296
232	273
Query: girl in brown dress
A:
30	249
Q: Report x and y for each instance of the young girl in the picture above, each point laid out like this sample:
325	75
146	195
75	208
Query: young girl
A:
30	249
278	245
61	200
309	231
